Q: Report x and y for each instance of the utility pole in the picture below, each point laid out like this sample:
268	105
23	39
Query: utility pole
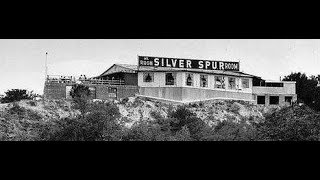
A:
46	67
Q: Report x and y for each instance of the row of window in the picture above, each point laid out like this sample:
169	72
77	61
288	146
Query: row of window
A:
273	100
170	78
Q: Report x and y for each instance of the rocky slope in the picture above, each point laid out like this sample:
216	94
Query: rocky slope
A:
18	120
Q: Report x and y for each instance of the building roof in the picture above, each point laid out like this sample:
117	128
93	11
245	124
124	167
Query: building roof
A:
116	68
273	81
129	68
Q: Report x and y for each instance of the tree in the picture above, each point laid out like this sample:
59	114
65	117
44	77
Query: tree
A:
16	95
80	95
306	89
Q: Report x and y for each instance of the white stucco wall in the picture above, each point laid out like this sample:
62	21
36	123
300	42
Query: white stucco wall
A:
159	81
211	82
288	88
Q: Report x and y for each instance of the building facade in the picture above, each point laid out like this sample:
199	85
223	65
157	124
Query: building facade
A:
189	80
178	80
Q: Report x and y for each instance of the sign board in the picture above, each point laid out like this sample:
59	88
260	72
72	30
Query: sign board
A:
188	63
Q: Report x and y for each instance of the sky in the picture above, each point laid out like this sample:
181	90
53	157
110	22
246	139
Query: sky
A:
22	61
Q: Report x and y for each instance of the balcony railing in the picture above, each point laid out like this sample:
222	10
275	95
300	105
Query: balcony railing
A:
73	80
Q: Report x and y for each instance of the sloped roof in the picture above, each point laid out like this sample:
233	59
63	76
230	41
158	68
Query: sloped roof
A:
129	68
116	68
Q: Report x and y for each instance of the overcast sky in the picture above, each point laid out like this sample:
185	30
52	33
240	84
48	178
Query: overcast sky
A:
22	62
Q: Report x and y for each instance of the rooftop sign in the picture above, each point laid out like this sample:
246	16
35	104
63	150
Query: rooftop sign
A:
188	63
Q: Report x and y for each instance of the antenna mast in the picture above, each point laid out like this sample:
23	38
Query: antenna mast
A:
46	67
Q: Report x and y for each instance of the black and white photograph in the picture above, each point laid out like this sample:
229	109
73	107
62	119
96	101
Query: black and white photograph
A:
160	89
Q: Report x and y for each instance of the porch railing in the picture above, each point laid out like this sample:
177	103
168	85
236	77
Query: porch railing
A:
73	79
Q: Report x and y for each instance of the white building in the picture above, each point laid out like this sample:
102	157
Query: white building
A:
188	80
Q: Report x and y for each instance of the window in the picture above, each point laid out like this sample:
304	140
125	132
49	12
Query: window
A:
274	99
203	80
148	77
288	99
189	79
261	99
245	83
219	82
232	83
170	78
274	84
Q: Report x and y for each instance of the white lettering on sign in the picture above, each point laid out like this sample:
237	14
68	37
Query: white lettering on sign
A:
174	62
181	63
207	64
168	65
214	65
221	64
188	64
156	61
200	64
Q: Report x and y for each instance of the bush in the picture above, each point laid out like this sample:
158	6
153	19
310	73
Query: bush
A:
124	100
100	123
232	131
80	95
32	103
234	108
16	95
156	115
296	123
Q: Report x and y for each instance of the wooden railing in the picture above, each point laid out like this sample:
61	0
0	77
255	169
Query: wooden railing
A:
73	79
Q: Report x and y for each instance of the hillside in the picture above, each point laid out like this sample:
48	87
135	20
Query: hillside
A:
136	109
22	120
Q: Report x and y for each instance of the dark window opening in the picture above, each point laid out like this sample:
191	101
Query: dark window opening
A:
274	99
261	99
203	80
189	80
258	82
169	79
148	77
288	99
274	84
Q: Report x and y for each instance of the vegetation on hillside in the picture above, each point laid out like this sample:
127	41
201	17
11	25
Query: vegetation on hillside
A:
14	95
306	88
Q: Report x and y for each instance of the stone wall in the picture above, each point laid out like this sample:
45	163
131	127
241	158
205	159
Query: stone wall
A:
55	90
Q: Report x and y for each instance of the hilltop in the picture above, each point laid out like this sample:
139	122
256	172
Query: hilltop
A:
24	119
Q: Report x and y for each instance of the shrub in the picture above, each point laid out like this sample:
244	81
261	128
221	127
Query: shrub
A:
17	109
234	108
232	131
32	103
144	131
16	95
296	123
99	123
156	115
124	100
80	95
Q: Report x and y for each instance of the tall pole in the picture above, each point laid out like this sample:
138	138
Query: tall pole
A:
46	67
